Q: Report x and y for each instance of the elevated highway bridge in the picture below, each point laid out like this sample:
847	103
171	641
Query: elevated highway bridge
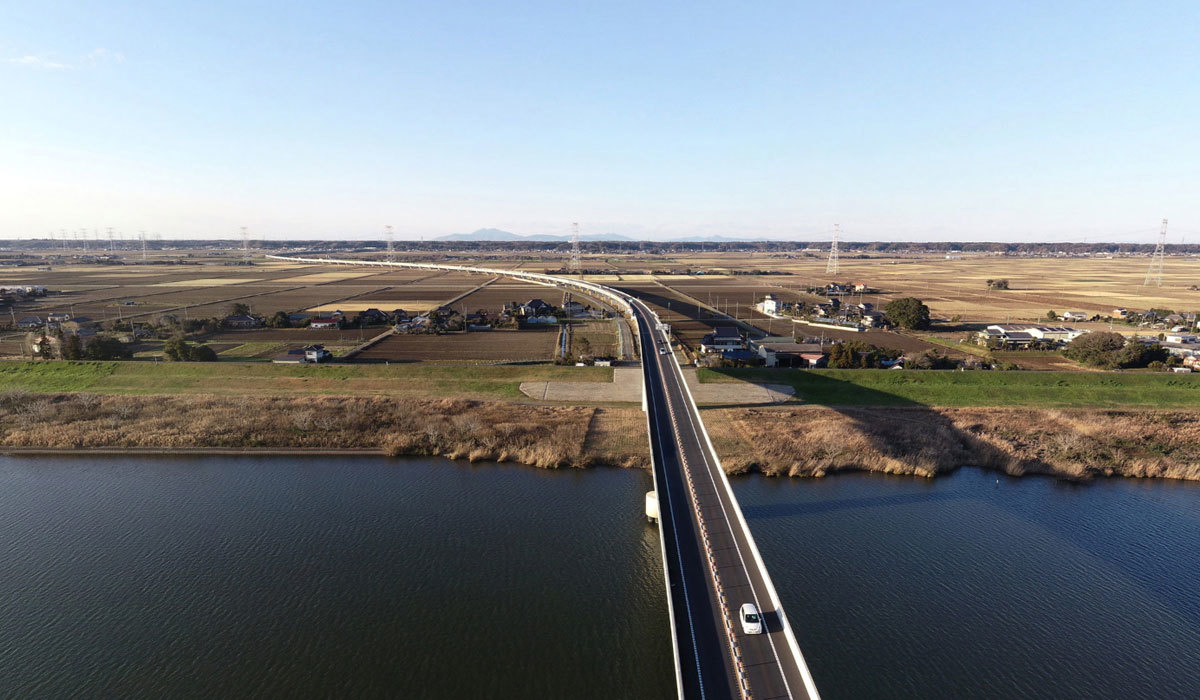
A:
711	563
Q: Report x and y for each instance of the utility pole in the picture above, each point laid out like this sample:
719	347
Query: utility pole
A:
1155	273
832	267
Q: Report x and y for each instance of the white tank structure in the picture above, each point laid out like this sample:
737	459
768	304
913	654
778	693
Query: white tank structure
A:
652	505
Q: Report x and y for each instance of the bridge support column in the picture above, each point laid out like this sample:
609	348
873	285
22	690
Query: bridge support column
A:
652	505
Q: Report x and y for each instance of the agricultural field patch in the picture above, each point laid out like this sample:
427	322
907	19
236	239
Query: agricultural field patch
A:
206	282
481	347
321	277
409	305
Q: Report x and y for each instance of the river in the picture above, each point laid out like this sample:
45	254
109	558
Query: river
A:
372	577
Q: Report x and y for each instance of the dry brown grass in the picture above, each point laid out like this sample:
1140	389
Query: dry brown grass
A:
1076	443
543	436
808	441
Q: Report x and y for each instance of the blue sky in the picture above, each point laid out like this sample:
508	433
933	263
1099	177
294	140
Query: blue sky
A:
905	120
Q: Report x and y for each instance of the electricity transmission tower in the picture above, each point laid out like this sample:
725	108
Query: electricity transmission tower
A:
832	267
391	244
1154	274
245	246
574	266
142	235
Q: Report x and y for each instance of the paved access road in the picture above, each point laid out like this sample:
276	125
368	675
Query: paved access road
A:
716	659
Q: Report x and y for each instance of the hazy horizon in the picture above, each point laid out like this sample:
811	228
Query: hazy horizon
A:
101	244
773	120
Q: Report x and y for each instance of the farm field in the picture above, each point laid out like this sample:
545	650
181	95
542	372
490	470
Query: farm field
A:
203	291
500	346
953	288
600	337
958	287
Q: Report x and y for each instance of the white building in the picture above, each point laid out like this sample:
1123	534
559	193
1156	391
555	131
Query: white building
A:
1015	334
769	305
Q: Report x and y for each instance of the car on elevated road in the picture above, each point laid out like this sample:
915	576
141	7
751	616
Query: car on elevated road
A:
751	620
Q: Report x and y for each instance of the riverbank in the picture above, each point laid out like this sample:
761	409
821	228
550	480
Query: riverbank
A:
541	436
814	441
805	441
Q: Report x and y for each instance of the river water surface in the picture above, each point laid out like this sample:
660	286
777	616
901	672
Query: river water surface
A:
369	577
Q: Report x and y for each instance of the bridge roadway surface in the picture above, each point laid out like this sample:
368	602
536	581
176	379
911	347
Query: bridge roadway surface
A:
771	666
705	538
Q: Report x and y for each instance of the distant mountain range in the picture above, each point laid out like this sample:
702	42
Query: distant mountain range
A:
495	234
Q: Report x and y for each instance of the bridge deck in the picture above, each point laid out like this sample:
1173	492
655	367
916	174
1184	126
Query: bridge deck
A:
704	533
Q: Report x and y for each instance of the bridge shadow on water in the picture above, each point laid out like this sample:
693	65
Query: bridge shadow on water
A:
787	510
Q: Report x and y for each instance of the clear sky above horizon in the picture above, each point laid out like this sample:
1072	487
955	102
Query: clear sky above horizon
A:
917	121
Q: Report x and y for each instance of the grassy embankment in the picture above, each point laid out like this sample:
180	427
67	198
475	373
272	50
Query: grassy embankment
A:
1067	424
265	379
458	412
927	388
922	423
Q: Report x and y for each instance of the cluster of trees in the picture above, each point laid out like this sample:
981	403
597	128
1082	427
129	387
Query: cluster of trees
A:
279	320
1114	351
907	312
178	349
997	284
856	354
71	347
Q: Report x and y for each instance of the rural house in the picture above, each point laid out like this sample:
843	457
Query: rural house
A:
317	353
536	307
325	323
372	317
721	339
786	354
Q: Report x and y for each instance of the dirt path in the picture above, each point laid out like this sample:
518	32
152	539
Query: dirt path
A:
626	387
